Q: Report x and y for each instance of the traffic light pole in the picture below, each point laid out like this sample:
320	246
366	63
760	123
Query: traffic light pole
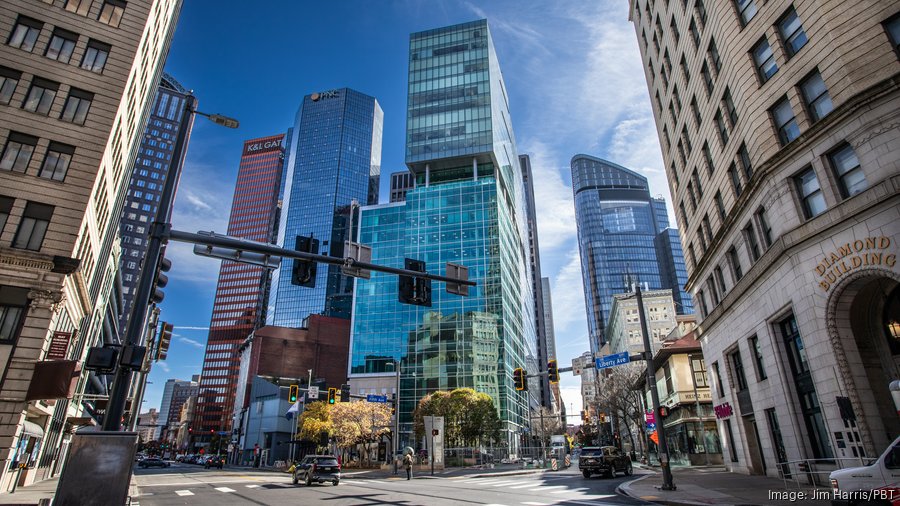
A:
112	420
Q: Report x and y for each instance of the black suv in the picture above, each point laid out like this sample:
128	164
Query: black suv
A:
318	469
605	460
214	461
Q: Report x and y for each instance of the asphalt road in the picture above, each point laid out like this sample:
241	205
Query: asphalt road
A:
188	484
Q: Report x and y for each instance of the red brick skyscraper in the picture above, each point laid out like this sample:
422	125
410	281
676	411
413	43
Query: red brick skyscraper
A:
242	288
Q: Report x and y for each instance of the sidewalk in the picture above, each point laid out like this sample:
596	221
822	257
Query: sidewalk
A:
42	492
714	485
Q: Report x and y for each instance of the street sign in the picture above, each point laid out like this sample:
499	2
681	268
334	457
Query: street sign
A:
651	426
613	360
376	398
313	392
223	433
650	417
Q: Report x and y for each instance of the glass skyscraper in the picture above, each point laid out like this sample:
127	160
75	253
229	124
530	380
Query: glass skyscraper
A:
618	228
467	207
335	158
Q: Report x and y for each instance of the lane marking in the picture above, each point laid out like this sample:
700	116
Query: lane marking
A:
183	493
524	486
252	486
529	503
503	483
547	488
225	490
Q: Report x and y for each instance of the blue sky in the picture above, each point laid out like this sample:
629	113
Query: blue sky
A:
575	82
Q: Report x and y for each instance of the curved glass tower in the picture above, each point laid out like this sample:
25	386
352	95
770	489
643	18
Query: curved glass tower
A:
618	224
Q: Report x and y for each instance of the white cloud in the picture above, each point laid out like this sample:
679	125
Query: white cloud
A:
192	342
567	295
164	366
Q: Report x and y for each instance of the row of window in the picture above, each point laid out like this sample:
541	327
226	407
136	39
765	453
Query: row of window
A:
33	225
61	46
19	149
41	95
111	11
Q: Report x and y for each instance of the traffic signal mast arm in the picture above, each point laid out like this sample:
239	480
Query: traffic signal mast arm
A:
592	365
275	251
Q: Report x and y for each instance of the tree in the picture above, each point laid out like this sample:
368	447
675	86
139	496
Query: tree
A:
470	417
360	423
315	420
545	423
618	396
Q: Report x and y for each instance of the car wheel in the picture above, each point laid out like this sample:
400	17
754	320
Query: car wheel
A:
586	474
295	479
308	480
628	469
335	483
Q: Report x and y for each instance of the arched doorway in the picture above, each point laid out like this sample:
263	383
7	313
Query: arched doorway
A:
864	323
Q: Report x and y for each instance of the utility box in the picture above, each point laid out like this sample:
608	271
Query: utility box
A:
98	469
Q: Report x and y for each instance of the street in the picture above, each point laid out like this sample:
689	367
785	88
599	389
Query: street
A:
188	484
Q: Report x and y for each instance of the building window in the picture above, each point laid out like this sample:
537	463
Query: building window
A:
701	11
735	264
758	358
892	27
746	10
693	254
695	109
62	44
785	123
684	221
745	161
33	226
695	33
18	151
25	33
811	197
707	78
57	161
791	31
764	60
111	12
5	208
737	368
701	298
721	128
851	178
13	306
815	96
732	450
707	157
752	243
707	230
729	107
692	196
764	227
77	105
698	368
80	7
9	79
713	291
714	57
40	96
720	205
720	279
673	29
735	180
95	56
720	388
696	178
666	138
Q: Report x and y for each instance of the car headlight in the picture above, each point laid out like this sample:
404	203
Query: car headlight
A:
834	486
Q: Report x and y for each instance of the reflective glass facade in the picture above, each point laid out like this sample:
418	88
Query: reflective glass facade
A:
618	222
335	158
239	306
467	207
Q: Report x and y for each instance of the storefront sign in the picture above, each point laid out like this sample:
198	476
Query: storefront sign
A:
59	346
871	251
723	410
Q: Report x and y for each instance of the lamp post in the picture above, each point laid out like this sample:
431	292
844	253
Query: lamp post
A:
396	439
138	316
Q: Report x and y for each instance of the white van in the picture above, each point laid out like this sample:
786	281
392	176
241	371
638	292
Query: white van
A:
875	484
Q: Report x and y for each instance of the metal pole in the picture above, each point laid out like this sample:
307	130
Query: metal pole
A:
396	445
142	376
654	394
137	318
432	447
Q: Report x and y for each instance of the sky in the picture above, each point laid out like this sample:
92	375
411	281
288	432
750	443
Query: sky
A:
575	82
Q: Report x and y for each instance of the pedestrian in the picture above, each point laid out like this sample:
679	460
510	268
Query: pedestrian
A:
407	463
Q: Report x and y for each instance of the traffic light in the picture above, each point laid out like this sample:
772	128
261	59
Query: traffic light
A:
294	393
161	279
165	338
602	417
345	393
212	432
332	392
413	290
553	371
519	378
190	430
304	273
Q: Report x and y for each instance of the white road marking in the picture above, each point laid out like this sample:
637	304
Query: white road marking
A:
529	503
485	482
225	489
503	483
567	491
183	493
544	489
524	486
252	486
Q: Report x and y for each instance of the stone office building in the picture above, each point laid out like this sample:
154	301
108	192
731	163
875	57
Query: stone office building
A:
778	122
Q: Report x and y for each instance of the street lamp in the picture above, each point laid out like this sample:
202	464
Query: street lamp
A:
158	231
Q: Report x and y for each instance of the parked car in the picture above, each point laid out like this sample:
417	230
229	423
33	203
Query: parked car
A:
214	461
318	469
878	482
605	460
153	462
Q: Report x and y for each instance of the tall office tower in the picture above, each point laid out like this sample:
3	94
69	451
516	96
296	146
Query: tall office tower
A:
534	262
147	180
166	403
335	159
77	80
401	183
790	213
557	405
468	207
618	222
174	393
240	303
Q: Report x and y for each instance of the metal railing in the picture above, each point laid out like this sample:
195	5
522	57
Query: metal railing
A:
815	471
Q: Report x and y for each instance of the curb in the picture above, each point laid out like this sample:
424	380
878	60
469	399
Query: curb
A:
625	490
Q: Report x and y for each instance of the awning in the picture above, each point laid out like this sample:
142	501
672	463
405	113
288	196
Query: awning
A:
33	429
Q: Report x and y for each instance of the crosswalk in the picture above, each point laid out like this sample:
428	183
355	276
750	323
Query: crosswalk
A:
552	488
